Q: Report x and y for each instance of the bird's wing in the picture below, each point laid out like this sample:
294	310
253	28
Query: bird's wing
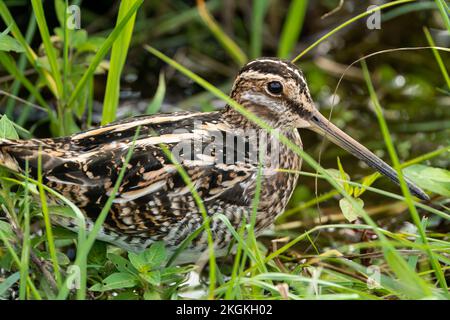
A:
86	166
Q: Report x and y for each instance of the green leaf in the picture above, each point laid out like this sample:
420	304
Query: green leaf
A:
6	229
436	180
8	43
121	264
76	37
345	177
138	261
156	254
152	277
116	281
367	182
127	295
7	129
9	282
336	174
350	213
60	8
97	255
152	295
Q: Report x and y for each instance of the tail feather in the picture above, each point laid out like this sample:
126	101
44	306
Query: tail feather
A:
6	159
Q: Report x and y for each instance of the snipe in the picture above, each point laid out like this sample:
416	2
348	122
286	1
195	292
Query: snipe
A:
153	202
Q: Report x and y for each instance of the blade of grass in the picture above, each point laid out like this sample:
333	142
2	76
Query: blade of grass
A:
231	291
66	49
21	64
48	226
49	49
8	63
407	8
228	44
118	56
256	36
30	54
101	53
78	216
16	260
437	56
412	261
396	164
443	9
199	202
255	204
348	22
292	27
154	106
25	257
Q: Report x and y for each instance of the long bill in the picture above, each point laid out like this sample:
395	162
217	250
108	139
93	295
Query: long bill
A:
321	125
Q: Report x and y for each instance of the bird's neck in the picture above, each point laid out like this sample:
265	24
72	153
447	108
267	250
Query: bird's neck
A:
237	120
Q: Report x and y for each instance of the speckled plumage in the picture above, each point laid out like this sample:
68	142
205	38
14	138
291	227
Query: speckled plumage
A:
153	202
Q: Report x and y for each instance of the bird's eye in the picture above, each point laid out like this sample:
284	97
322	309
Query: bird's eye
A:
275	87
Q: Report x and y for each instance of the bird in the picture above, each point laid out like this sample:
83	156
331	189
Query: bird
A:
219	151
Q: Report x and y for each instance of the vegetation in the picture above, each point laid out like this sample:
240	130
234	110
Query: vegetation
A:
347	233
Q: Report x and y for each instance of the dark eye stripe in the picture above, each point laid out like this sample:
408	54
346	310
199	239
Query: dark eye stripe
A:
275	87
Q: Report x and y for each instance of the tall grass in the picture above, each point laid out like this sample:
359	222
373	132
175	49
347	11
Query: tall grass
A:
118	57
292	27
437	57
229	45
257	32
408	198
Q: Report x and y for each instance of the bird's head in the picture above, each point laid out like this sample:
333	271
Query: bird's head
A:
276	91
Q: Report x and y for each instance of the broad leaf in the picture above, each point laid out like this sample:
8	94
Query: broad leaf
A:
138	261
8	283
156	254
436	180
7	129
116	281
348	210
8	43
153	277
122	264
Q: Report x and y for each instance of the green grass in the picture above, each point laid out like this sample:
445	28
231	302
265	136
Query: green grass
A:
118	57
292	27
413	264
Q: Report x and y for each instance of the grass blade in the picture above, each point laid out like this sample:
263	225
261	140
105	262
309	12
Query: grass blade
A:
49	49
25	257
437	56
228	44
48	225
292	27
30	54
21	64
154	106
118	57
348	22
256	37
102	52
403	268
443	9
